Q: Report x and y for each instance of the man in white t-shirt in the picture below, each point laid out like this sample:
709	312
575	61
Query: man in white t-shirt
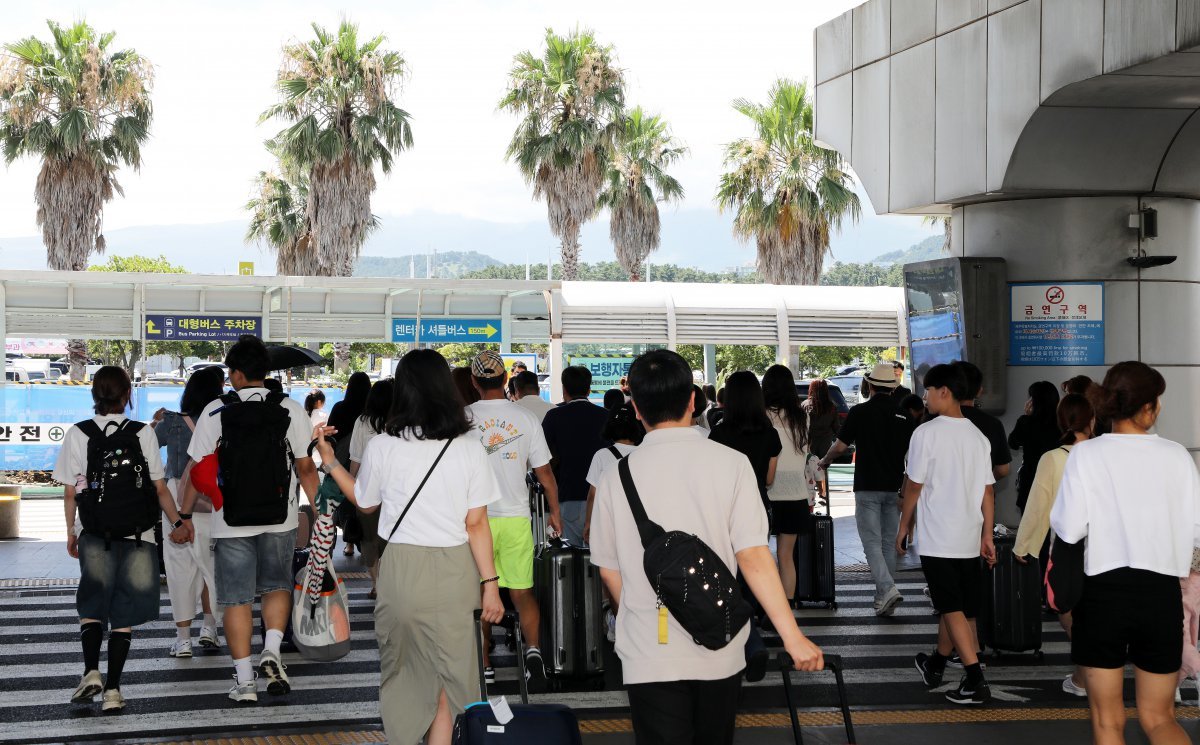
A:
254	560
679	691
512	437
950	475
530	393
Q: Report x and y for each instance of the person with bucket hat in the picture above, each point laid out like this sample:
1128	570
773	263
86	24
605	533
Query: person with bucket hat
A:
880	434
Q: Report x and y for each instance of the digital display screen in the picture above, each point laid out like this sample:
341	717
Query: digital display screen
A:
935	328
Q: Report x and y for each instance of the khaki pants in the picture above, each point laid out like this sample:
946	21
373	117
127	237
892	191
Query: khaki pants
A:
426	633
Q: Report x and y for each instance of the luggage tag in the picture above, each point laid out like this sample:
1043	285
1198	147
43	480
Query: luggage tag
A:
500	709
662	624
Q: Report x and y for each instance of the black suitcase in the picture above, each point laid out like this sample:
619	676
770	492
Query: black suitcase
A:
1010	611
552	724
814	563
568	590
832	662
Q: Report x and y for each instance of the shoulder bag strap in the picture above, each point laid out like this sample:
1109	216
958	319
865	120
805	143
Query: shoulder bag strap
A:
188	421
417	493
89	428
615	453
647	528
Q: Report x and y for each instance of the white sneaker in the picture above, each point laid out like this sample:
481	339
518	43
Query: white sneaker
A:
181	648
208	638
113	701
610	623
273	669
244	693
888	606
89	686
1075	690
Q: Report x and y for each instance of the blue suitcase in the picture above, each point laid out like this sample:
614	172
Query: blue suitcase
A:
544	724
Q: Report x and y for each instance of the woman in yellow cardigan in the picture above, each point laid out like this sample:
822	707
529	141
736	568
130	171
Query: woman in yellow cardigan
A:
1076	419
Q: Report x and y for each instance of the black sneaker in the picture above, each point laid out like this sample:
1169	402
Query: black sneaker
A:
954	660
535	669
756	666
931	678
968	694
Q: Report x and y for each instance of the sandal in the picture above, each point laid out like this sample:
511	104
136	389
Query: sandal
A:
348	550
371	595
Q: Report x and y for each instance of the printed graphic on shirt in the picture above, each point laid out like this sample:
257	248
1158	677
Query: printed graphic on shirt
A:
497	434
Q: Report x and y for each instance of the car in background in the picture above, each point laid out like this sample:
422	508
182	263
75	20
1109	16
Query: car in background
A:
839	403
849	385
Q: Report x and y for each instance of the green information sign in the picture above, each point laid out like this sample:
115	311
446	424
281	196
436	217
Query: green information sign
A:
607	370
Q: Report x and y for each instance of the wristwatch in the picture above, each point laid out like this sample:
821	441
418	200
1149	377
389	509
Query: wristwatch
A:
178	523
327	468
185	516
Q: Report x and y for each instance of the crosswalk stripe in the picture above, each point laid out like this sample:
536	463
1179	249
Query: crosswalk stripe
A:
39	649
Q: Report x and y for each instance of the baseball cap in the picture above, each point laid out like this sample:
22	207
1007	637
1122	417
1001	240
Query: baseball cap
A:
487	364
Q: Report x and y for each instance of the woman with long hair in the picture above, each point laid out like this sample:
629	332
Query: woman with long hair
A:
370	424
823	424
462	383
1075	419
189	567
1035	433
791	494
1135	497
344	418
439	553
747	429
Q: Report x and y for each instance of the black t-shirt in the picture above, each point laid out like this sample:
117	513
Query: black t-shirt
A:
1034	438
574	432
880	435
760	447
993	430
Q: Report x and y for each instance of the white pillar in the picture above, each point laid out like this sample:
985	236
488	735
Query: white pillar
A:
710	364
506	325
554	366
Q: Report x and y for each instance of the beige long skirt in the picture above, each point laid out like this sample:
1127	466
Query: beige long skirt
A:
426	631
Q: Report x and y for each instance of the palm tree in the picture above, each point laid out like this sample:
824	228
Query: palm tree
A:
279	219
570	100
84	111
787	192
943	222
637	181
339	97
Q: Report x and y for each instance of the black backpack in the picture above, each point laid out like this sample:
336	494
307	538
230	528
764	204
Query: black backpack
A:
254	460
688	577
119	499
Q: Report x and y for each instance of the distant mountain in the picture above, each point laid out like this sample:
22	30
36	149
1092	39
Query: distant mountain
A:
698	238
930	248
446	265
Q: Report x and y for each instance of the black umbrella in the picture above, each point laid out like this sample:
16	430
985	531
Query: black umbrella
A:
285	357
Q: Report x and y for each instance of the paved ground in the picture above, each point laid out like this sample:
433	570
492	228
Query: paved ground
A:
336	702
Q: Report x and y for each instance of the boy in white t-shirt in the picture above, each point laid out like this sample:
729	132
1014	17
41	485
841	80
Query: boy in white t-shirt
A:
950	474
512	437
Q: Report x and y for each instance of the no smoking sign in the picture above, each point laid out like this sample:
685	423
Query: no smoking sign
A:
1055	295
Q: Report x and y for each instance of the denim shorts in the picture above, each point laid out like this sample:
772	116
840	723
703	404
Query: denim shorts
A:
118	585
252	566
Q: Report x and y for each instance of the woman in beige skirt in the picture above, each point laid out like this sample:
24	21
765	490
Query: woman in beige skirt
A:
432	483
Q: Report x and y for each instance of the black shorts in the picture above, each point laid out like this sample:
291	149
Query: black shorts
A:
1129	615
954	584
793	518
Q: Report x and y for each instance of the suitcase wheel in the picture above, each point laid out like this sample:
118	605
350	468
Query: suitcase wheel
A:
1039	655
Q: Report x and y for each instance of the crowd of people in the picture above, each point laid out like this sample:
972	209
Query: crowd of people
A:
433	465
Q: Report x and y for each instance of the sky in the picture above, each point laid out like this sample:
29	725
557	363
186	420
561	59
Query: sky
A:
216	63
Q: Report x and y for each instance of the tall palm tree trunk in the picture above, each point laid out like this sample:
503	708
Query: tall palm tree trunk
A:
70	194
570	255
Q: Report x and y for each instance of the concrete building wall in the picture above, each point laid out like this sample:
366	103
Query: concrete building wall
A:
1149	314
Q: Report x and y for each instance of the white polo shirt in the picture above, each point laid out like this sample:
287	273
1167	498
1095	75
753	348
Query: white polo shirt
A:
689	483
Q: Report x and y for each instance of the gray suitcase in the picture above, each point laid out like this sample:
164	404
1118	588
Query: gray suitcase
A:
568	590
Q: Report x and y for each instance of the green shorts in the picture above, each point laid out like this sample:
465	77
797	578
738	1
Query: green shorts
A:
512	547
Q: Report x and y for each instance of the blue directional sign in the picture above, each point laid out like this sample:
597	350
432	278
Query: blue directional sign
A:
447	330
175	327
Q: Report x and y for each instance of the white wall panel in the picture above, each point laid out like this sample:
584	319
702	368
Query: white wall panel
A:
1013	85
961	79
871	128
912	128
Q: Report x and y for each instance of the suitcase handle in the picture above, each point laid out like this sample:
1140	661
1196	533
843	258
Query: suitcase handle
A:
479	642
833	662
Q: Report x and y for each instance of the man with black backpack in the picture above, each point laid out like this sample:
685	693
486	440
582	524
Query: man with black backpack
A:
259	437
699	519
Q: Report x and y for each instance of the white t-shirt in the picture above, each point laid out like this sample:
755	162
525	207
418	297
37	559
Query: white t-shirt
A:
512	437
1136	498
71	467
687	483
604	460
317	418
363	433
392	468
952	461
535	404
204	442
